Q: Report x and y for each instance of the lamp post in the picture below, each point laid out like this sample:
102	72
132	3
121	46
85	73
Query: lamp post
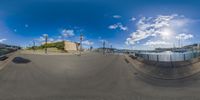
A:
81	39
104	43
46	39
111	50
33	45
91	48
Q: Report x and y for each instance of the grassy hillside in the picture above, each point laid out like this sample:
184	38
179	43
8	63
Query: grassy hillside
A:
58	45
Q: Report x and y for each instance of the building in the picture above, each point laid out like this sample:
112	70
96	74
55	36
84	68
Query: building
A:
192	46
65	45
71	46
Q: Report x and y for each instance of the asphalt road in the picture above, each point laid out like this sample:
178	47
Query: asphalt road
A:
87	77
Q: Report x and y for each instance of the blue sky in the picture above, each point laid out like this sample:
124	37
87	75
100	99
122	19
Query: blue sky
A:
134	24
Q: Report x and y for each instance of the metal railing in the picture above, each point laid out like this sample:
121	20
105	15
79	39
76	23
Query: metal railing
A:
167	57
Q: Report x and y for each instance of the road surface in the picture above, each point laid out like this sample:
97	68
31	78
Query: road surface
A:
87	77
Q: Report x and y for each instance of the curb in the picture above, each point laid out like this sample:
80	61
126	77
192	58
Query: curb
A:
10	58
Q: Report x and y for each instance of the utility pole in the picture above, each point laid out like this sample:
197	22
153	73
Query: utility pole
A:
46	39
33	45
81	39
104	43
91	48
111	50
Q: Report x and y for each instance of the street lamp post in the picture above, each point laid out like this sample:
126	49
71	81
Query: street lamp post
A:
33	45
104	43
81	38
46	39
91	48
111	50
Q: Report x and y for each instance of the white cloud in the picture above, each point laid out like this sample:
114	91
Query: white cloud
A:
87	42
160	27
157	43
184	36
114	26
2	40
67	33
117	16
51	39
103	41
44	35
57	40
59	37
133	19
118	26
40	39
121	27
64	33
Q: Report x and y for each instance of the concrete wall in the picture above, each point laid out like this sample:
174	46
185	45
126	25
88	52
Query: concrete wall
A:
71	46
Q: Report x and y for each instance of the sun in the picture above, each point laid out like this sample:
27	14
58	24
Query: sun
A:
166	33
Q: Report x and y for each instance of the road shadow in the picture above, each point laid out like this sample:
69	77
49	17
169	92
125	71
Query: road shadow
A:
20	60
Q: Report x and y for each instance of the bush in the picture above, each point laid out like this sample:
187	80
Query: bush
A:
58	45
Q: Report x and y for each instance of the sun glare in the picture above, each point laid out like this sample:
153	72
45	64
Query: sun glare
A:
166	33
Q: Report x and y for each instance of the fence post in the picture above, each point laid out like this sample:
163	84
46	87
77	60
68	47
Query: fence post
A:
170	57
157	58
198	54
183	57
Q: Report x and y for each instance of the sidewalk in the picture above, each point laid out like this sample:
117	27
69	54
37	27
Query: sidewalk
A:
165	70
